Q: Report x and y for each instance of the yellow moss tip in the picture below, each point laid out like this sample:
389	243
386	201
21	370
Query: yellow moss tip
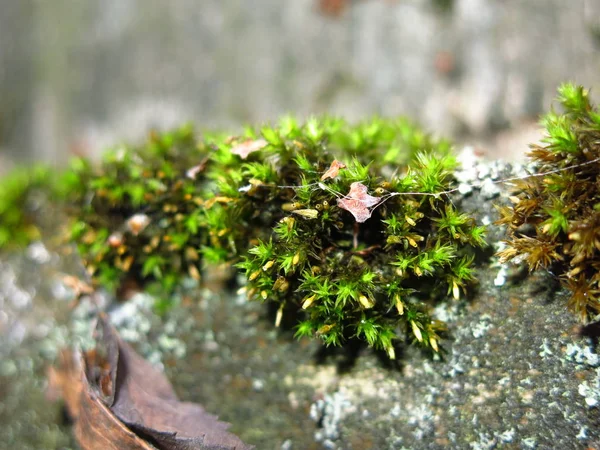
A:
416	331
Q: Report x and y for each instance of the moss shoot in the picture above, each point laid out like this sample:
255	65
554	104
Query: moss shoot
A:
554	222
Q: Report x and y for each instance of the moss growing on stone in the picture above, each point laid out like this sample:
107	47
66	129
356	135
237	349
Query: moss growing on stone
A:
348	227
135	216
324	221
554	223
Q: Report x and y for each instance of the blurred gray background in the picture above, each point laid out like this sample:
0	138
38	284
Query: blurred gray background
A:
77	76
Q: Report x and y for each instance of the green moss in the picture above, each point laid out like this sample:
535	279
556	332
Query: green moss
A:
303	249
555	221
136	215
17	206
346	227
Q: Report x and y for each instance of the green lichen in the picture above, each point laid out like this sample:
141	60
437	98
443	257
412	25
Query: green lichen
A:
554	223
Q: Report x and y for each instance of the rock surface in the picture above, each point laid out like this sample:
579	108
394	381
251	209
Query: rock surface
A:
515	374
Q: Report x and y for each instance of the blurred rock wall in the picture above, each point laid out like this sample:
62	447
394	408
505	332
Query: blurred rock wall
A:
76	76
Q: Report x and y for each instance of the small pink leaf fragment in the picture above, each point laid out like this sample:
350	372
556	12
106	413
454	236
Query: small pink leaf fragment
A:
358	202
360	212
333	170
248	146
358	191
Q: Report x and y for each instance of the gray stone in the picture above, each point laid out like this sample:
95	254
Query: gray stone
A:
513	365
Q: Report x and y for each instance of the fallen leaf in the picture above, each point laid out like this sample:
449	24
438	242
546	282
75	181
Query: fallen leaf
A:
248	146
358	191
333	170
95	426
120	401
358	202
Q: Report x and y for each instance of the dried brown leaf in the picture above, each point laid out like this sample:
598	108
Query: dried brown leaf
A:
95	426
333	170
120	401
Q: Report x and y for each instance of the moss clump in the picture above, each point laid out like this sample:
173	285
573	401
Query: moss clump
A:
135	216
555	221
332	232
347	227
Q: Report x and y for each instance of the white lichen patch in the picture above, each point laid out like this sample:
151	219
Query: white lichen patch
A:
38	253
529	443
546	351
447	312
477	173
485	442
586	358
507	436
590	391
582	435
329	412
500	279
481	328
489	189
320	378
582	355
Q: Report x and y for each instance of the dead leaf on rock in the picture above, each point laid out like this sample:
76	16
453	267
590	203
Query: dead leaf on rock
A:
358	202
120	401
95	426
248	146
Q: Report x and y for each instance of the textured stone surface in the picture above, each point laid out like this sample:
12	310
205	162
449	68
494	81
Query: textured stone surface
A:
76	76
515	373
